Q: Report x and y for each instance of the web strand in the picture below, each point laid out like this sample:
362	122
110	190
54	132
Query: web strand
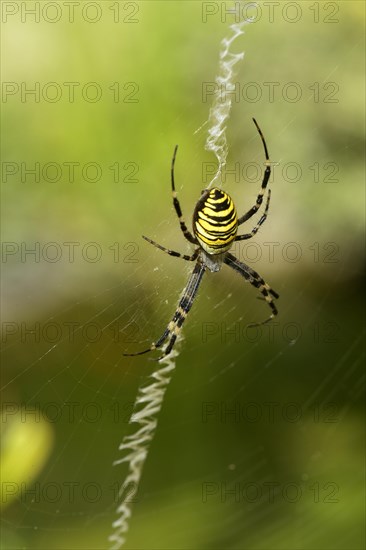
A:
135	446
220	111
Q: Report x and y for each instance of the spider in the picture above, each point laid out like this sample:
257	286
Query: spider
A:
215	226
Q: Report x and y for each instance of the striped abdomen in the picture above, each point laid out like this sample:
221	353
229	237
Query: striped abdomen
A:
215	222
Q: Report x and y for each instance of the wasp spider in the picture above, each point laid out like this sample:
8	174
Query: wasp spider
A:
215	226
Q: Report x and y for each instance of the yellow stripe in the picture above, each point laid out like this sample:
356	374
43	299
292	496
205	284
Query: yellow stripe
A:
217	243
213	221
224	228
213	200
213	238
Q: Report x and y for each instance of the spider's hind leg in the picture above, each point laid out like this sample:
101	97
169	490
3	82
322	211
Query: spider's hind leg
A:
154	345
185	303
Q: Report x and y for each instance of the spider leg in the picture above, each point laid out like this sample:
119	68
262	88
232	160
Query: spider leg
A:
256	280
188	235
266	176
262	220
184	305
172	252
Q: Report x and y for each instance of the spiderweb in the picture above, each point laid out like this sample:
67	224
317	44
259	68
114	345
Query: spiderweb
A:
259	442
150	398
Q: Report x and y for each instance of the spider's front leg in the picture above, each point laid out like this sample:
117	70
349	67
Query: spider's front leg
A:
261	221
172	252
188	235
266	177
175	325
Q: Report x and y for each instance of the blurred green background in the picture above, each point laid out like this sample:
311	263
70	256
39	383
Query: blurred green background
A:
286	468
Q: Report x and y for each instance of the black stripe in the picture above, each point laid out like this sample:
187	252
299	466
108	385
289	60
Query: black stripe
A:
216	246
213	240
217	219
218	207
226	230
216	238
217	229
178	319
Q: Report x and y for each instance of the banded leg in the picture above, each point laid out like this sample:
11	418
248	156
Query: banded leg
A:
262	219
256	280
172	252
177	207
266	176
175	325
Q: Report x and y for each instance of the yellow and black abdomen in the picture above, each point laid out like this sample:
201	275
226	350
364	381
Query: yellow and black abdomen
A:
215	222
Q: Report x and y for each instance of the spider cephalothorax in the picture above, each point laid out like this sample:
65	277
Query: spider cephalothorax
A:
215	226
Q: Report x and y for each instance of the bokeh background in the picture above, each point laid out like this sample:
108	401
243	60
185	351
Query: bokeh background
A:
283	469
